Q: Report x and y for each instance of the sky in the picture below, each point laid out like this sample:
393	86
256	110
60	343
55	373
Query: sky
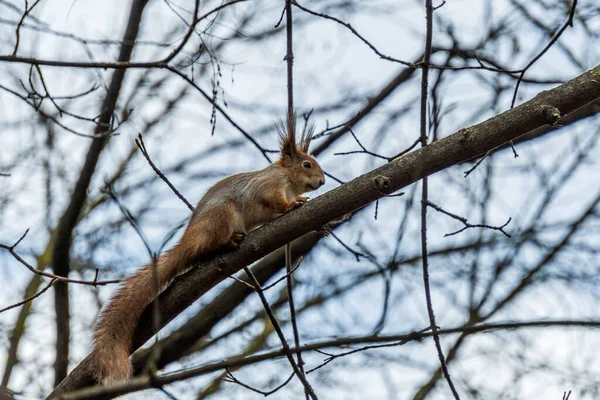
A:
331	65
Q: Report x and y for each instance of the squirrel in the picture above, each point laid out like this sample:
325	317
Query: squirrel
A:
229	209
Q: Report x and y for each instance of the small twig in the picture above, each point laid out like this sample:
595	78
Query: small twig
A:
232	379
291	123
140	144
280	18
265	288
47	95
354	252
167	393
130	218
424	198
466	223
290	293
387	195
58	278
52	118
327	174
512	146
567	24
409	148
33	94
241	281
386	296
191	82
363	151
48	286
355	32
497	228
331	357
20	239
279	332
18	30
440	6
486	155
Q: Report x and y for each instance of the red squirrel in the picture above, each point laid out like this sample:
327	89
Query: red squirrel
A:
231	208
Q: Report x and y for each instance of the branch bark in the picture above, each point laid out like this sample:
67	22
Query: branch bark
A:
361	191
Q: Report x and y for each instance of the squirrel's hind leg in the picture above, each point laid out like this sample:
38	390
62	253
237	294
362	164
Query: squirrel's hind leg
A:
236	239
218	226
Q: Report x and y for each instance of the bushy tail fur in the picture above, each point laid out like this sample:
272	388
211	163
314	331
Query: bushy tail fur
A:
114	332
113	335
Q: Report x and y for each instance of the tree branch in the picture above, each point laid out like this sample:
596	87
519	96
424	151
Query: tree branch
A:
144	382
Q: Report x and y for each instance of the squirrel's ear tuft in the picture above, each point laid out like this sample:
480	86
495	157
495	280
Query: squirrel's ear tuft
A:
307	134
287	140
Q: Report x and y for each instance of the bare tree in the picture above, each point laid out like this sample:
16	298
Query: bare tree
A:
479	280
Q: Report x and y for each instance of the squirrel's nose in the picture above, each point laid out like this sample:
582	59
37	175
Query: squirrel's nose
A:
321	182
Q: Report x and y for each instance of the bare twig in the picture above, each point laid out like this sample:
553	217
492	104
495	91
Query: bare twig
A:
292	306
288	273
243	282
140	144
355	32
218	108
363	151
29	298
466	223
291	123
331	357
127	214
232	379
56	278
567	24
354	252
566	395
18	30
520	79
277	328
424	199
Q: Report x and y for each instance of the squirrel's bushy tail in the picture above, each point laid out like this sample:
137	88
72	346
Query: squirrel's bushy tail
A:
113	335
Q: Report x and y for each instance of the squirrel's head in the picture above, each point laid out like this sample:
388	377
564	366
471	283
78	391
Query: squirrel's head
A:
305	172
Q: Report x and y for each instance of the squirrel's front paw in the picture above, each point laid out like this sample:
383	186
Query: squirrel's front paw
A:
301	199
236	239
298	202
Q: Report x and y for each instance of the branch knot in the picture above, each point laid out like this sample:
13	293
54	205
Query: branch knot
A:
550	114
383	183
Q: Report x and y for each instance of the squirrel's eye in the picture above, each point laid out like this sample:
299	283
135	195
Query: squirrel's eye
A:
306	164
